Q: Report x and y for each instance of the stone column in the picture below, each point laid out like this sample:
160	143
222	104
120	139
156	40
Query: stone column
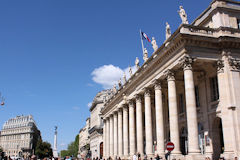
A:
159	118
173	113
104	138
228	82
120	132
191	108
111	137
132	129
139	119
115	142
148	123
125	131
107	137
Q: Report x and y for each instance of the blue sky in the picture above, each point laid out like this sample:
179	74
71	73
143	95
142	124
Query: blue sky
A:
55	55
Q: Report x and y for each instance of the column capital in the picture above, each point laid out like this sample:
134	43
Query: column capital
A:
131	103
220	66
138	98
234	63
186	62
120	109
125	106
115	112
170	75
147	92
157	85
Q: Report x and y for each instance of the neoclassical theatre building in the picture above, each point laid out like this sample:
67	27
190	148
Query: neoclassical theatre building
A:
187	92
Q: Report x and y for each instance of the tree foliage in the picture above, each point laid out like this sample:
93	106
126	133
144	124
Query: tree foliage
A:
64	153
72	149
43	149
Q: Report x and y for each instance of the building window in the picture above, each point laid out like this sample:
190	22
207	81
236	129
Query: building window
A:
181	103
197	96
214	88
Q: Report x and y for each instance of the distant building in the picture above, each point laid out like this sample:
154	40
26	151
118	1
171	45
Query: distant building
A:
19	136
84	141
96	123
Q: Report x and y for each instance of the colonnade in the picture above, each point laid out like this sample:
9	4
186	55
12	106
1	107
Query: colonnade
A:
123	137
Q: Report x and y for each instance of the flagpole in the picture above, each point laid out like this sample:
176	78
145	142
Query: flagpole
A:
141	41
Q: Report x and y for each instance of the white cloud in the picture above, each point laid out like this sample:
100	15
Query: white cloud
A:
76	108
90	85
62	144
108	75
89	104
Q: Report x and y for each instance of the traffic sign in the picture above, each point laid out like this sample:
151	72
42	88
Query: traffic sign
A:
170	146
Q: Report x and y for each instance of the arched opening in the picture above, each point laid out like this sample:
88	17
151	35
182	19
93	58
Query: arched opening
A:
184	141
101	150
217	138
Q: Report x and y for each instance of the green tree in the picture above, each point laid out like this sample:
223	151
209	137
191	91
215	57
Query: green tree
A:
64	153
72	149
43	149
1	150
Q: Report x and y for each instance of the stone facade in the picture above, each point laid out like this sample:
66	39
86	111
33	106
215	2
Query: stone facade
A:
84	141
96	123
19	136
187	92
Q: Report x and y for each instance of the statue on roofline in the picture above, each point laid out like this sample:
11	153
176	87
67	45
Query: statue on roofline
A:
145	55
183	15
168	30
137	63
130	71
119	83
154	44
124	78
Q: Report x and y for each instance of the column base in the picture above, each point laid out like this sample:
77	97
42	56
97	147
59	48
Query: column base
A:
161	155
176	156
228	155
176	153
150	155
125	157
195	156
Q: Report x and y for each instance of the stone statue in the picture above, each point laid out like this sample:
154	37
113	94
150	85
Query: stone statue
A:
119	83
183	15
130	71
114	88
154	44
168	30
137	63
124	78
145	55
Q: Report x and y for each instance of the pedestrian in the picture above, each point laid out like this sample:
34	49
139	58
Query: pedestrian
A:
145	157
134	156
157	157
119	158
139	156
